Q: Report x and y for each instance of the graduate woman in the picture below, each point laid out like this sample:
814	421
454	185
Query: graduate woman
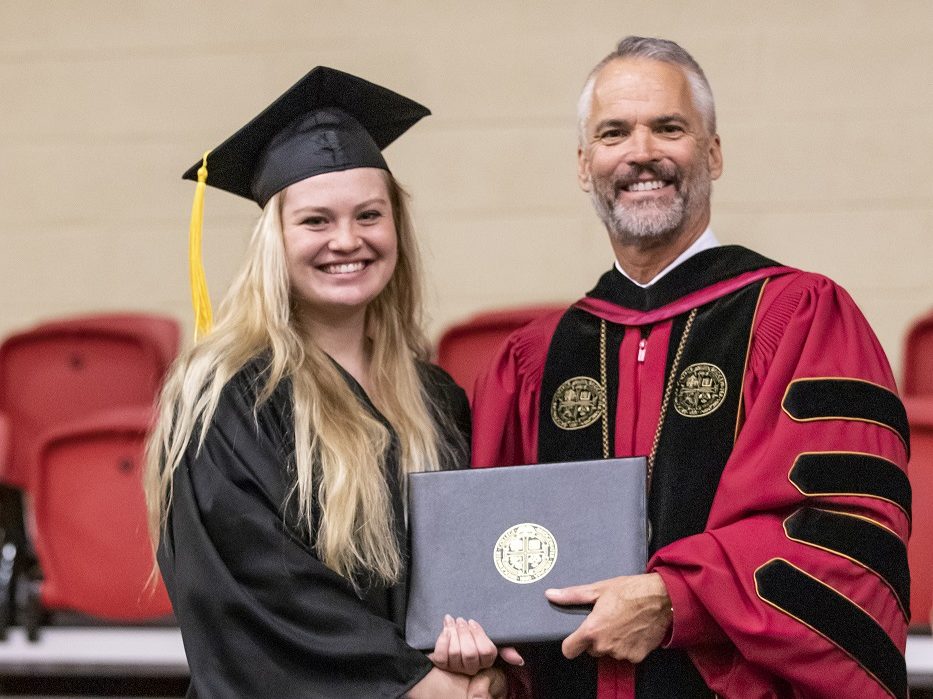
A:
276	470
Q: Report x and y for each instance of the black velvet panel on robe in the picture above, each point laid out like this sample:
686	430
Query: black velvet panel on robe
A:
260	615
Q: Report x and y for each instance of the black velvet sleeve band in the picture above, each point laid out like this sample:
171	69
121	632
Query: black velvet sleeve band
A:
846	399
836	618
858	539
851	473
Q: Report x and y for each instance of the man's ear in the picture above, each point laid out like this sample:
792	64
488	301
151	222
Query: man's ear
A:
714	158
583	170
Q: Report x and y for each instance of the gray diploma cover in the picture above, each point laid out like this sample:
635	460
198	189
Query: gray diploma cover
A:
486	544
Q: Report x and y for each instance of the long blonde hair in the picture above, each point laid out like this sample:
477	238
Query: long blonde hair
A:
339	446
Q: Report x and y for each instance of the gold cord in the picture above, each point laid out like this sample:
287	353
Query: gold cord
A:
667	393
605	388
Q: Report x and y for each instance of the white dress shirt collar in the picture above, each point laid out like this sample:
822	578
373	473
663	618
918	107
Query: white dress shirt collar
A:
706	241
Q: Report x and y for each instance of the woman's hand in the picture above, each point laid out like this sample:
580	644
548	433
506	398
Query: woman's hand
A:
486	684
464	647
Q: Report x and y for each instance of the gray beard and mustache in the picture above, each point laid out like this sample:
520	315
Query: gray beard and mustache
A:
650	219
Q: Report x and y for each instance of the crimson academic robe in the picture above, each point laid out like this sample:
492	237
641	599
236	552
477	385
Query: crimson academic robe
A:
779	501
260	615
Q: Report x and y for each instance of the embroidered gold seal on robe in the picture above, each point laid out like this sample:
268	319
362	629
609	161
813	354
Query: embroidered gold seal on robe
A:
701	388
578	403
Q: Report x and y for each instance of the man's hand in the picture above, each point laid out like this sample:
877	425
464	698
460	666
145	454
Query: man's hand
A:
631	615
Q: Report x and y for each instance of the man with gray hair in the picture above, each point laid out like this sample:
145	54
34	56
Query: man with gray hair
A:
777	447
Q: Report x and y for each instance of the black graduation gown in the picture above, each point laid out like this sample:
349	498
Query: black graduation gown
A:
260	615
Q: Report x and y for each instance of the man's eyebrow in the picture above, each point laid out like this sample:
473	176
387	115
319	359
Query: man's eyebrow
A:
671	119
615	123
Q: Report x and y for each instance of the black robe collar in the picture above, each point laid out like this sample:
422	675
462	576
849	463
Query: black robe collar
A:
698	272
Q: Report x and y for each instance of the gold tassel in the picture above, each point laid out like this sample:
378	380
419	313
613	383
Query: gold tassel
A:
200	298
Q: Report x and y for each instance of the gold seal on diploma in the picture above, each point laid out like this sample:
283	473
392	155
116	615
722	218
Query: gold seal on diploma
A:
525	553
701	389
578	403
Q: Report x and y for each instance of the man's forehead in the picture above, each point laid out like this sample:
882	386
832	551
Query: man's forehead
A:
643	81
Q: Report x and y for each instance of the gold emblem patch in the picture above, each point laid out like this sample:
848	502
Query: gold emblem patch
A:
701	389
578	403
525	553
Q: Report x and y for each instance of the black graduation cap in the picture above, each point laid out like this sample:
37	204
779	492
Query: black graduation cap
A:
327	121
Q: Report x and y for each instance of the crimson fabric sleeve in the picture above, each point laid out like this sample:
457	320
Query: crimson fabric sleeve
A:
809	328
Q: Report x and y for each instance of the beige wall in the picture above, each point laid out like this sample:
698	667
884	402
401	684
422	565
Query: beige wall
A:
824	111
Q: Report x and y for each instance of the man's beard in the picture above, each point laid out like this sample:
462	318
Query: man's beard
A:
650	220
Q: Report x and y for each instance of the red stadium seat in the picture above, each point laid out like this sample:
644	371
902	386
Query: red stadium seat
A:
918	358
89	532
7	547
920	548
52	375
66	369
4	441
465	349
